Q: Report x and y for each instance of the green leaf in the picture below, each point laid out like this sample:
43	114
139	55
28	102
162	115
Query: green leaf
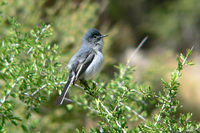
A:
190	63
189	115
17	118
70	106
13	95
165	83
182	56
25	129
3	121
28	115
181	129
36	110
189	51
77	131
14	122
179	63
123	124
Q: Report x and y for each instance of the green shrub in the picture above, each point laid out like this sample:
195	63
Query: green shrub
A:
30	72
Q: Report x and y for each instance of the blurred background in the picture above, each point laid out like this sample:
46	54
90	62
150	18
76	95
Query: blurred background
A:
171	25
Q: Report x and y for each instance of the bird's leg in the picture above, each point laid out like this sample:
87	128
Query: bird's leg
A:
84	82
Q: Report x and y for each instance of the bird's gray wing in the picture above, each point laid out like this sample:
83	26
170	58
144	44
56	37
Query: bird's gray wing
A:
84	60
78	64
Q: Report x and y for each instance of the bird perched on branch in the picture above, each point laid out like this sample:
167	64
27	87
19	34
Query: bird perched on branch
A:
87	62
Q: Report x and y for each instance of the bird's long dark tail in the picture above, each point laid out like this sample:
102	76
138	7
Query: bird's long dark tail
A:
64	92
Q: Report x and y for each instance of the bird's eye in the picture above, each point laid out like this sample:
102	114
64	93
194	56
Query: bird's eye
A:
95	36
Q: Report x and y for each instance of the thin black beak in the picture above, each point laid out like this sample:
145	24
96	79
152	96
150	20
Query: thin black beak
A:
104	36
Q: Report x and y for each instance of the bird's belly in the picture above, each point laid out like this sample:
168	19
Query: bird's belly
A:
95	67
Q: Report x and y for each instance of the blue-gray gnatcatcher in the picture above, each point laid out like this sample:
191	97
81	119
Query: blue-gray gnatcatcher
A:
87	62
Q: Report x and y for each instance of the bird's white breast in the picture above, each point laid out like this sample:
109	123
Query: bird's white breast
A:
95	67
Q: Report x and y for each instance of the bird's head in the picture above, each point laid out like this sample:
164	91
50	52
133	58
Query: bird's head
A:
93	38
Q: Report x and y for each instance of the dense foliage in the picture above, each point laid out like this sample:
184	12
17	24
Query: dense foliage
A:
32	74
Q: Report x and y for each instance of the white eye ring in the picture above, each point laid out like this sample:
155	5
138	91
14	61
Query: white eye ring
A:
95	36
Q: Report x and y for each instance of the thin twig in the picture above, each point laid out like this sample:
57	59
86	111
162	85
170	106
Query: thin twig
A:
37	37
184	61
48	84
112	116
134	112
106	109
35	92
107	120
42	31
79	87
12	86
136	50
148	127
119	101
96	83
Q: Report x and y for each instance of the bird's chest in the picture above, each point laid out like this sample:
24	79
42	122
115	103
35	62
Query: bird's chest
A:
95	67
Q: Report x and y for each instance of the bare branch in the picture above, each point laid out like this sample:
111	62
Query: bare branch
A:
137	49
134	112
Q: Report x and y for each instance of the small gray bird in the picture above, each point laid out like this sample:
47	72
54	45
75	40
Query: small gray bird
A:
87	62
